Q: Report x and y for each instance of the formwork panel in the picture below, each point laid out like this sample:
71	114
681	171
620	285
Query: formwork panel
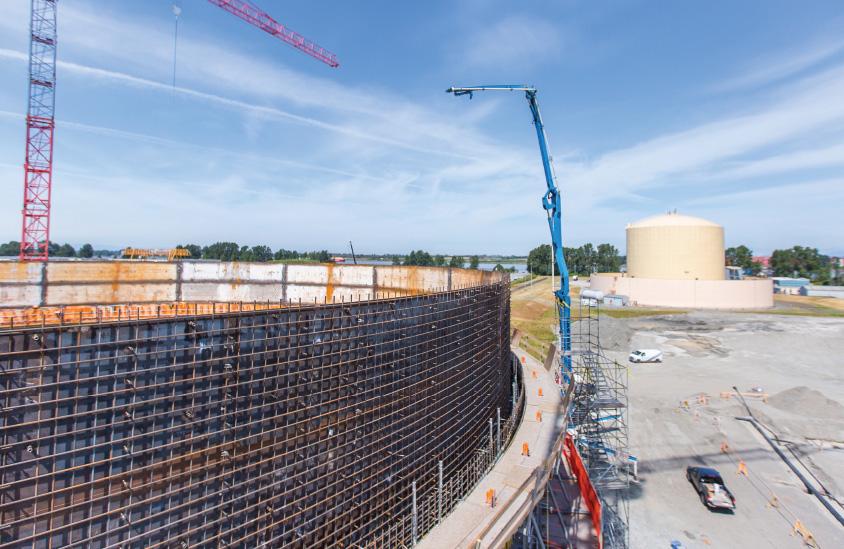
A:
110	272
352	275
289	426
411	279
350	293
222	291
307	274
20	272
20	295
232	271
110	293
296	293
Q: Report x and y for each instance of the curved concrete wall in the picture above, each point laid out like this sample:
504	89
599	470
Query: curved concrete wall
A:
86	284
688	294
284	425
676	252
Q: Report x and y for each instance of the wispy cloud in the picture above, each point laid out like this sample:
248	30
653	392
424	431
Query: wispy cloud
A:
783	65
515	41
653	163
784	162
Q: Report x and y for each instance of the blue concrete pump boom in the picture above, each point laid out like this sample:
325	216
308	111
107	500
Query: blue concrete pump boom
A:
551	203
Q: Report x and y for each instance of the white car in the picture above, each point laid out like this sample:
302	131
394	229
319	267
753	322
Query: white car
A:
645	355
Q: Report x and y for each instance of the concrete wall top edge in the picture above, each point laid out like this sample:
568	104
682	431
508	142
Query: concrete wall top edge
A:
58	284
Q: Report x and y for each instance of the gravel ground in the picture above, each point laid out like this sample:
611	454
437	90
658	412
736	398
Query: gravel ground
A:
798	361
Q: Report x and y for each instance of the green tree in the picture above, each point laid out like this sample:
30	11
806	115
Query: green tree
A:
195	251
261	253
86	251
539	260
321	256
572	257
396	260
802	262
284	255
224	251
474	261
439	260
12	248
740	256
499	268
65	250
588	259
608	259
419	257
457	261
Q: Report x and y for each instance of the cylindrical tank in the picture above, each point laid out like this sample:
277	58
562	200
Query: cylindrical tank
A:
677	247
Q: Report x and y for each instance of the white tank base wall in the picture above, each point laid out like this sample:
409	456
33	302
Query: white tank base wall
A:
688	294
57	283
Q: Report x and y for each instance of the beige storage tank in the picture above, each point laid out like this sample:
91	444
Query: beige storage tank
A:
677	247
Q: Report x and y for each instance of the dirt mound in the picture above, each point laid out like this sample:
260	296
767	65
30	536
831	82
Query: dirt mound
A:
807	402
616	333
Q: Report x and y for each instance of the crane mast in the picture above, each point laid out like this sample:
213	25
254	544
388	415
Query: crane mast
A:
40	123
553	208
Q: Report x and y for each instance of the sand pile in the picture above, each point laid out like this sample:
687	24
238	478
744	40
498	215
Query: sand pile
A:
807	402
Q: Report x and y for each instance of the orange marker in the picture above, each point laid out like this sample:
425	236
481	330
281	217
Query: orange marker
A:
525	449
538	416
540	391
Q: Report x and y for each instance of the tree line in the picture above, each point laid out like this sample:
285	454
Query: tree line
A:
13	248
582	261
424	259
797	261
231	251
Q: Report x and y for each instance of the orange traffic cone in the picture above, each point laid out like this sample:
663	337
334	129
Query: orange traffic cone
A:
742	468
525	449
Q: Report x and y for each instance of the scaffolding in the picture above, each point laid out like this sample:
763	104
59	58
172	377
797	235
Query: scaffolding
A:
340	424
599	418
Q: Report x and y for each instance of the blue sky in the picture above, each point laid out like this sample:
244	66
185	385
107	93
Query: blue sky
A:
733	111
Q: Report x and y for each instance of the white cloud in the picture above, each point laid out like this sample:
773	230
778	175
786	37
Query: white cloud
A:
516	41
783	65
785	162
807	108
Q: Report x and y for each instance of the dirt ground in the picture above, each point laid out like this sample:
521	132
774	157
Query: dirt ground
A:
797	360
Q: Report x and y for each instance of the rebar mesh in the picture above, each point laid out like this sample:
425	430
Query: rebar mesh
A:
290	426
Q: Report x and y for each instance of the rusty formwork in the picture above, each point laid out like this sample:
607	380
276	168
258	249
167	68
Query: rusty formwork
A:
288	426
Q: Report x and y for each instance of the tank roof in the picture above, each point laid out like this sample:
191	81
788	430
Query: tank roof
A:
672	219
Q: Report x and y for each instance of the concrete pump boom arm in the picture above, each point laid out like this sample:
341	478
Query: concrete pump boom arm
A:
552	204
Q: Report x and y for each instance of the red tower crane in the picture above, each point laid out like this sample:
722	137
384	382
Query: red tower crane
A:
40	122
40	118
254	15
